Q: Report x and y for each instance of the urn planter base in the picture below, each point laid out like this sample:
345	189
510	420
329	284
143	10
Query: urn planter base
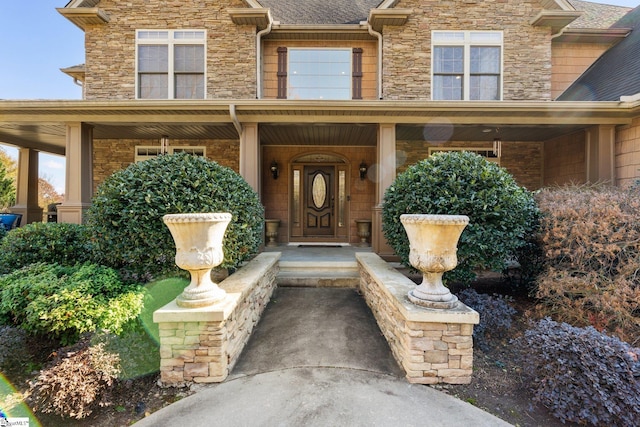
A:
431	300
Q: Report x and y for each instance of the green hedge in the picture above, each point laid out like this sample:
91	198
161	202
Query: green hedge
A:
126	215
65	244
64	301
501	212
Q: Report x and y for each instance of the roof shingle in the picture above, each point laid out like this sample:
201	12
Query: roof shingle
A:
311	12
616	73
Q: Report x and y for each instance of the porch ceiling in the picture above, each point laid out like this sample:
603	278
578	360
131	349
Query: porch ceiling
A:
41	124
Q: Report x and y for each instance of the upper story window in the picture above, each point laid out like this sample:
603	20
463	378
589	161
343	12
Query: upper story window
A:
319	73
466	65
170	64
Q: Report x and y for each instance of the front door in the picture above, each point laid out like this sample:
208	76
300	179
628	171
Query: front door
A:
319	201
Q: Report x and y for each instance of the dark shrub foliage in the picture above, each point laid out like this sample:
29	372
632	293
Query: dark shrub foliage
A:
590	237
582	375
75	382
501	213
64	302
65	244
3	233
126	215
495	315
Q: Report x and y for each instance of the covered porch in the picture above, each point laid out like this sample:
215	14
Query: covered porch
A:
571	142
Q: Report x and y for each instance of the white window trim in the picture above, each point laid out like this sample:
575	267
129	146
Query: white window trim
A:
170	41
487	153
154	151
467	44
349	50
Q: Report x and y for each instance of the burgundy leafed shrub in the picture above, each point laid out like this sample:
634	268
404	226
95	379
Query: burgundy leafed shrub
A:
76	381
590	237
495	315
582	375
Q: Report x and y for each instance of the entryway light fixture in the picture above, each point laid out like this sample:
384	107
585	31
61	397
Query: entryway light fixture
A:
363	170
274	169
164	144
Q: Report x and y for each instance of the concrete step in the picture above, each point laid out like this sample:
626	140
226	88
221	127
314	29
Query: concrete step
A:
320	274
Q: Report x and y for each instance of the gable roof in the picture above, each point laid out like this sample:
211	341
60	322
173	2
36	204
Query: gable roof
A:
596	15
311	12
616	73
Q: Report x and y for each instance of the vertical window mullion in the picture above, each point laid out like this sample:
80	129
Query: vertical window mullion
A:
466	80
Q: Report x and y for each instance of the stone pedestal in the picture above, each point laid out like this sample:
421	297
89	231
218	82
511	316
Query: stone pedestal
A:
271	226
364	230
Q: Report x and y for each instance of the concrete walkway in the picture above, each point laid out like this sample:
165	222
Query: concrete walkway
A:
317	358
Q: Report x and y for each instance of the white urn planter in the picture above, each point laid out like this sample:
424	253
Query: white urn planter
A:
433	241
198	238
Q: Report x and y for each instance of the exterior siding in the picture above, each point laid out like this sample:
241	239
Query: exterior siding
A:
527	49
569	61
112	155
523	160
369	63
565	160
628	154
110	48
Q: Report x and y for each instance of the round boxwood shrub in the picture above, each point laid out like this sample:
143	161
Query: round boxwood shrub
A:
501	212
65	244
125	218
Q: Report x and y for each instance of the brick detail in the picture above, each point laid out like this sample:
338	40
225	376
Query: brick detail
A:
112	155
523	160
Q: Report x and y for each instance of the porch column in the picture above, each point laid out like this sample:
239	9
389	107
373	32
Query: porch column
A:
79	173
385	174
601	154
250	155
27	187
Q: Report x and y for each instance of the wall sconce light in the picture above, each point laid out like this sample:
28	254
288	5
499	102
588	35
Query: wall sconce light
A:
164	144
274	169
363	170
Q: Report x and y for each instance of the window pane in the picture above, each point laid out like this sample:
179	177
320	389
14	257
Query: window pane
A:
181	35
319	74
189	86
485	60
486	37
447	88
189	58
153	35
153	59
442	36
448	59
153	86
484	88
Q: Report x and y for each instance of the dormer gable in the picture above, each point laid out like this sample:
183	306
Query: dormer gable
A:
83	13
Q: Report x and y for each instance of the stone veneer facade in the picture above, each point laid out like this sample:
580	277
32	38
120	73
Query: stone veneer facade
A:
231	75
527	49
431	345
202	345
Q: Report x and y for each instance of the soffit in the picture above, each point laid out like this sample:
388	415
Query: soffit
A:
41	124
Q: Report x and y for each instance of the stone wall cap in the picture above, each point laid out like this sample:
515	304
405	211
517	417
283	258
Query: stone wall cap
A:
396	286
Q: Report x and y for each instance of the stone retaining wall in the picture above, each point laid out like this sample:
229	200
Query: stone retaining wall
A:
202	345
431	345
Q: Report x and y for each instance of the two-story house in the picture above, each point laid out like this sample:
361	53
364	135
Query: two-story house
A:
318	104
